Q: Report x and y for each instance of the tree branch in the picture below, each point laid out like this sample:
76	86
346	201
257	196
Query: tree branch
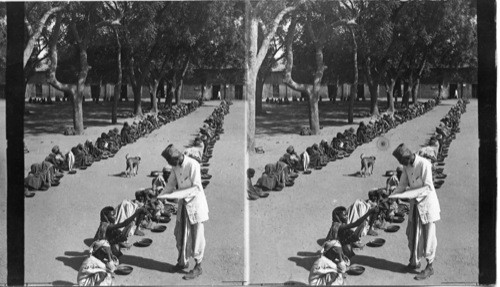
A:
289	60
274	26
34	35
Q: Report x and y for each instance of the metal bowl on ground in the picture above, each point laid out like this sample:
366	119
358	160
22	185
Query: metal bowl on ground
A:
155	173
205	164
159	228
439	182
398	219
377	242
440	164
72	171
318	167
144	242
123	270
390	173
392	228
340	156
356	270
307	171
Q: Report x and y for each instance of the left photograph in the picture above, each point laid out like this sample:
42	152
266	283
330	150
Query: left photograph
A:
133	143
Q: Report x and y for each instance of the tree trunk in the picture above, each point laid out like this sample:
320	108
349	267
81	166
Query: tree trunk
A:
313	113
389	88
252	68
354	91
137	89
414	90
258	95
178	92
118	86
77	113
406	94
251	83
153	92
255	56
374	91
74	91
335	90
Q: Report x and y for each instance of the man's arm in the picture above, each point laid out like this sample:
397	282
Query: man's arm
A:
190	192
420	192
402	185
169	186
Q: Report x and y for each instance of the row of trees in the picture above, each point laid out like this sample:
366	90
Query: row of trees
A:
384	42
153	44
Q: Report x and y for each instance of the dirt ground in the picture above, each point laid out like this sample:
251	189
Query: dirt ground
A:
285	229
288	227
61	222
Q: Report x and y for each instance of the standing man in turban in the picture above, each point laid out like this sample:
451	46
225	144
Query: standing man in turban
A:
192	208
416	184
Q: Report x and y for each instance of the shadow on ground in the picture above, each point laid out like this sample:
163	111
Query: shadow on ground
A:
379	263
306	259
285	119
54	118
73	259
148	263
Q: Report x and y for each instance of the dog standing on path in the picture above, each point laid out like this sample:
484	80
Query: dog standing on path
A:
367	164
132	165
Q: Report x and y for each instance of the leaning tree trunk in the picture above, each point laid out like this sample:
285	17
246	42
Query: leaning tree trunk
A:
118	86
75	91
180	85
137	89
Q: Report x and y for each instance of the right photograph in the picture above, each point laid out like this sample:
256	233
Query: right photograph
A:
362	143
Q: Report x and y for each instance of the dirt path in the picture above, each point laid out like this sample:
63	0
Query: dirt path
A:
61	221
287	228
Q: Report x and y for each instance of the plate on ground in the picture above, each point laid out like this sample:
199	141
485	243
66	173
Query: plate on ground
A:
377	242
159	228
392	228
143	242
